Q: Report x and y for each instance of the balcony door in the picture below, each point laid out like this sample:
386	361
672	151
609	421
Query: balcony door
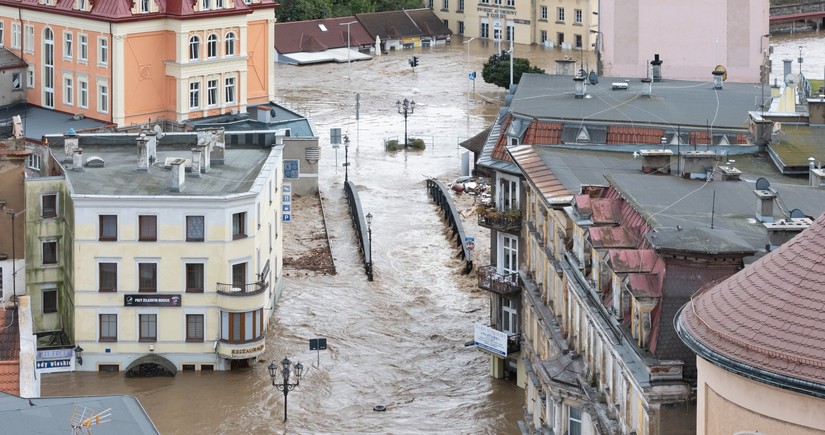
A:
507	254
507	192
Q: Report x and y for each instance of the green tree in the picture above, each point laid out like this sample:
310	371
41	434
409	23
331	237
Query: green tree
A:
302	10
497	70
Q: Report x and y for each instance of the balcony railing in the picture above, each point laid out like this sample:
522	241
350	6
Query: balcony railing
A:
490	279
513	343
242	290
508	220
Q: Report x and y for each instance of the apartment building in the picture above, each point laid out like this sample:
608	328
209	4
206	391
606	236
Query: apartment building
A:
132	62
157	253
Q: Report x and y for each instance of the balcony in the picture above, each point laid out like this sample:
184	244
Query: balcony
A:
507	220
490	279
242	289
513	344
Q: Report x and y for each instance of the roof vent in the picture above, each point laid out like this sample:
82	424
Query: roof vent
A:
94	162
580	86
656	68
619	86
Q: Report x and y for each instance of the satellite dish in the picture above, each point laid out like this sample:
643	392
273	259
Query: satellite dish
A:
763	184
158	131
797	214
272	112
777	128
594	78
790	79
722	70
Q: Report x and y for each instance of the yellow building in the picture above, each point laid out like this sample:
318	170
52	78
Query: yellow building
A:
174	255
132	62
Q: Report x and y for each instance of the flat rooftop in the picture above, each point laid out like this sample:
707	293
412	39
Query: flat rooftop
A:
672	103
119	175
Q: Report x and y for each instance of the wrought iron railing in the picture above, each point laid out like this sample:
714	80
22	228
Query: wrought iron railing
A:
489	278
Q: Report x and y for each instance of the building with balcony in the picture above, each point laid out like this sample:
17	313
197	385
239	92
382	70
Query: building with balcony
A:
619	225
758	339
132	62
160	252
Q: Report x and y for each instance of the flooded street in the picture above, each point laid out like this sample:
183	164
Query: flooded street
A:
397	341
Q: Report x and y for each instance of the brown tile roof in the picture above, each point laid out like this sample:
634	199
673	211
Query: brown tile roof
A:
9	352
543	133
538	173
428	22
500	149
298	36
771	315
121	10
634	135
10	377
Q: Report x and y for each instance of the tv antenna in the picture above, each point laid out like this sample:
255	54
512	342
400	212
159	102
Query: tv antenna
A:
83	418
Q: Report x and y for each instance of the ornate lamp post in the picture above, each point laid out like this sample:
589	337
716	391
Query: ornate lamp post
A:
369	232
406	108
346	158
286	387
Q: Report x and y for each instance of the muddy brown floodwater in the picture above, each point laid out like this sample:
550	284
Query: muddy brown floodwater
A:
397	341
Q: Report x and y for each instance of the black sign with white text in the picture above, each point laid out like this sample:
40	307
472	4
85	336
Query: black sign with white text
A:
151	300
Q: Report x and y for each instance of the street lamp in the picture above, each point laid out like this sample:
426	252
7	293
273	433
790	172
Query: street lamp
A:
406	108
346	158
469	77
349	68
763	70
286	387
369	232
78	351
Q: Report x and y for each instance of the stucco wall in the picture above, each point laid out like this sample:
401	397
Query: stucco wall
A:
728	403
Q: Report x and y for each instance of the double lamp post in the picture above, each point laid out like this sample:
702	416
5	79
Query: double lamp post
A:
405	108
286	371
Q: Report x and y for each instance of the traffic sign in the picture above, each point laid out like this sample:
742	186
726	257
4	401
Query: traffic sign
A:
473	75
470	243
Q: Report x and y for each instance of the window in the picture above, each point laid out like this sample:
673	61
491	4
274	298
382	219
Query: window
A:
29	42
103	97
229	89
68	91
543	36
48	205
30	76
511	3
144	6
560	14
83	93
194	95
445	5
508	260
108	327
230	44
574	421
194	229
446	23
108	227
33	162
148	277
102	51
194	327
194	277
212	92
578	16
485	30
50	252
49	300
460	6
15	35
559	39
207	4
148	228
1	33
68	39
48	68
578	41
509	316
242	327
239	275
81	5
212	46
107	277
148	327
16	80
461	27
544	13
83	54
194	48
239	225
510	32
218	4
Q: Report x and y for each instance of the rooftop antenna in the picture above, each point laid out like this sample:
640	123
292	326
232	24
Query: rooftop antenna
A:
713	209
83	420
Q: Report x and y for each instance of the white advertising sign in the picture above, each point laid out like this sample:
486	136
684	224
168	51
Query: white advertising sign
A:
491	340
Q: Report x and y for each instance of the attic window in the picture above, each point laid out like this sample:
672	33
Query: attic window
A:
322	27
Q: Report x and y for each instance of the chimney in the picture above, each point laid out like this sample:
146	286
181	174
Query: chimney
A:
265	114
77	160
717	79
152	147
656	161
764	205
647	87
70	143
784	230
696	165
816	175
579	86
178	175
196	161
142	153
656	67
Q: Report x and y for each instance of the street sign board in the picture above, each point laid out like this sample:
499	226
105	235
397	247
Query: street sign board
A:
317	344
470	243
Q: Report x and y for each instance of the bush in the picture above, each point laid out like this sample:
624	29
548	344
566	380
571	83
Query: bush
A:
392	145
417	144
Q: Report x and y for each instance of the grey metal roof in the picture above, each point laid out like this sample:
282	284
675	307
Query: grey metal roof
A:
673	102
9	60
54	414
283	118
38	122
120	177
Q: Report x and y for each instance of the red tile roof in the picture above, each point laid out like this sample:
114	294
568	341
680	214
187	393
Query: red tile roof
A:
10	377
771	315
634	135
9	352
121	10
298	36
538	173
500	149
543	133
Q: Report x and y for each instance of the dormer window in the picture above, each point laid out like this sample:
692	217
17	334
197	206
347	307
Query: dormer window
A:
218	4
82	5
207	4
194	48
144	6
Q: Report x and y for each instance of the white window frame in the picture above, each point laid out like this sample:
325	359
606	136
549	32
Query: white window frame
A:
16	35
2	29
30	76
68	45
194	48
234	88
102	51
194	94
212	46
83	49
68	90
212	98
543	15
103	96
560	15
507	254
28	38
509	311
571	419
82	92
230	44
578	16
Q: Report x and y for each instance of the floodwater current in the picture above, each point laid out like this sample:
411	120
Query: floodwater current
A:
397	341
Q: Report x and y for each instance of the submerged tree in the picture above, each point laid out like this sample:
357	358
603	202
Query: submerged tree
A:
497	70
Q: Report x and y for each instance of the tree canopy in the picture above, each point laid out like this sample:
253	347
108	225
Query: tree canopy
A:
497	70
302	10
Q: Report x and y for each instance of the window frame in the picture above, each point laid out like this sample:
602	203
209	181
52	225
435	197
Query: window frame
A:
49	304
229	44
189	226
48	212
560	15
239	225
152	268
102	51
104	222
194	48
212	46
151	224
68	90
229	88
83	47
100	272
194	95
190	267
68	45
53	257
103	97
192	336
149	320
212	93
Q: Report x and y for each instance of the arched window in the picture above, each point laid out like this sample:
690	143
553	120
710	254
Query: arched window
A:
230	44
212	46
194	48
48	68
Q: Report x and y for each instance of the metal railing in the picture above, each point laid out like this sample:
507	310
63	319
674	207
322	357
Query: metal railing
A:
442	198
242	289
490	279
